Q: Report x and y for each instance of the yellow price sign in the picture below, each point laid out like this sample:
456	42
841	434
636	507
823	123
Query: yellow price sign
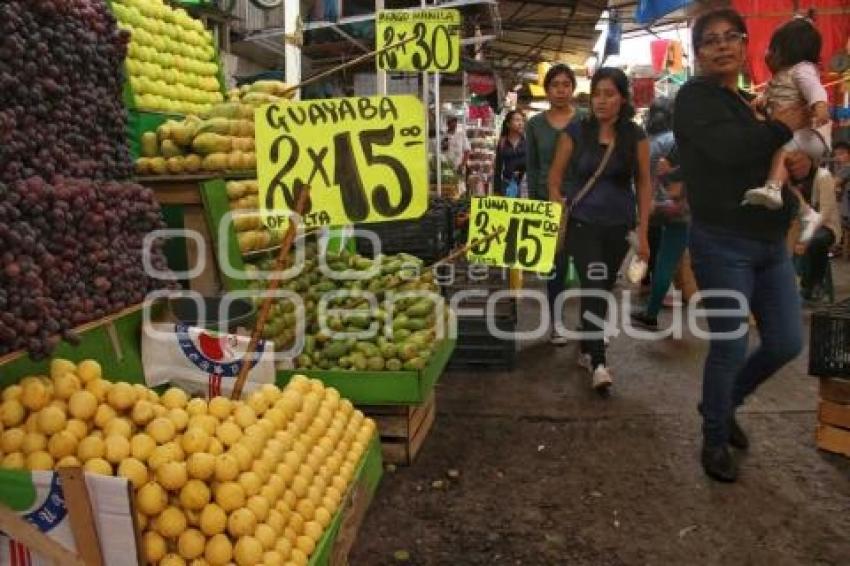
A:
528	232
364	159
435	45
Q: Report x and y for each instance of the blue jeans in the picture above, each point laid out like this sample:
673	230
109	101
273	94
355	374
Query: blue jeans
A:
763	273
673	241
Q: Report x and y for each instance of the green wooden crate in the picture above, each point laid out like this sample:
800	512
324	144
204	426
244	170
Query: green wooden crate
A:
125	364
363	487
383	387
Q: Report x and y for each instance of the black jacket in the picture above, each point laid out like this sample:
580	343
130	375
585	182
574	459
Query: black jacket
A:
725	151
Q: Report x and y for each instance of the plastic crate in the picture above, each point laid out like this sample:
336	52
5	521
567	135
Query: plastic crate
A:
829	341
485	357
426	238
477	348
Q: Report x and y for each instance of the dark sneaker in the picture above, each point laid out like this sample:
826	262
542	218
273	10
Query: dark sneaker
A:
643	320
719	464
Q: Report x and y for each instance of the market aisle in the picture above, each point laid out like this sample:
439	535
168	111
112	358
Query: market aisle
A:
551	474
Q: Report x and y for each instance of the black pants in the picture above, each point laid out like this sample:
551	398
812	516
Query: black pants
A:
817	254
598	252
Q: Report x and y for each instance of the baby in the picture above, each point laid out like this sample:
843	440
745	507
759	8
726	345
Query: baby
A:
792	57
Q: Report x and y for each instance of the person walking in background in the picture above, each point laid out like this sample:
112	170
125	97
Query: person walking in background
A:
541	136
817	189
659	128
737	252
457	146
510	155
602	159
672	216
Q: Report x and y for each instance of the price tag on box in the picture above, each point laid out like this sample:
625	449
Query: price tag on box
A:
435	46
364	159
528	232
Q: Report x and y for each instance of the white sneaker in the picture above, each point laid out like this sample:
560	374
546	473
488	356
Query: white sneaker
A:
557	339
769	196
810	221
602	379
585	361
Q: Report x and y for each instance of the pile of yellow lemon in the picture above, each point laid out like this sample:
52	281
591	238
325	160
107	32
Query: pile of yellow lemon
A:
216	482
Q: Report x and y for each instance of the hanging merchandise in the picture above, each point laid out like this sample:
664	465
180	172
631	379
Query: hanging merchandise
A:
658	51
649	11
481	84
613	36
643	89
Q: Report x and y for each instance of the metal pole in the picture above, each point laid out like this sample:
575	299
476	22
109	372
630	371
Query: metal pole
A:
437	111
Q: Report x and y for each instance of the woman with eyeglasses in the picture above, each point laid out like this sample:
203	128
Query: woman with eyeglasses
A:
738	253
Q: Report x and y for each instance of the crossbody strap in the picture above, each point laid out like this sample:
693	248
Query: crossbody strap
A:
595	177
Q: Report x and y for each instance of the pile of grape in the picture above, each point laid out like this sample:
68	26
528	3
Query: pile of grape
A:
70	252
61	83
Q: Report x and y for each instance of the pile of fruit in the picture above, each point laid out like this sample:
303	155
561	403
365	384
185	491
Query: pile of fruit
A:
71	252
250	482
222	141
405	329
171	60
250	232
60	91
193	145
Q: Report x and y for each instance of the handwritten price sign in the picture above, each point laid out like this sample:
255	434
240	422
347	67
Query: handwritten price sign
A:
364	159
529	232
436	43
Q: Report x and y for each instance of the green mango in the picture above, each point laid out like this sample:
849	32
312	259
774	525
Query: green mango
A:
344	362
408	351
360	321
317	357
375	363
393	364
368	349
390	268
420	309
389	350
416	364
359	361
416	324
334	350
325	365
401	335
400	322
362	264
426	353
303	361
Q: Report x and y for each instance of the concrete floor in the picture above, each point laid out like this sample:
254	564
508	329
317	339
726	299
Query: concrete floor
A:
549	473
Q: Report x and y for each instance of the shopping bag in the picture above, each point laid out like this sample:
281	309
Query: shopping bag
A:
202	363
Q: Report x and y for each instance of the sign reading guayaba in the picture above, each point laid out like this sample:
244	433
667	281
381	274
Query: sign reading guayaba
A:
436	43
364	159
529	232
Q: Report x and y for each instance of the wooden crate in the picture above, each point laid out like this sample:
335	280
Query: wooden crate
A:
403	428
833	433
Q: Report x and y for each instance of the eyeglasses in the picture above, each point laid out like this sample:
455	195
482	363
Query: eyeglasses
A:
715	40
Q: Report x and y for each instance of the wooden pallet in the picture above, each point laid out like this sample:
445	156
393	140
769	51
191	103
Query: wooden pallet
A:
833	433
403	428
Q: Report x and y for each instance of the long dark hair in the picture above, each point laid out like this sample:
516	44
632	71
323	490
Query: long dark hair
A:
625	129
506	125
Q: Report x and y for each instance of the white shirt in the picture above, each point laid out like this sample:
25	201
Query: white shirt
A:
457	145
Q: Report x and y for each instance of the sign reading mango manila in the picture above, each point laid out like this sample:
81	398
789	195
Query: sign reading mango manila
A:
528	232
435	45
364	159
